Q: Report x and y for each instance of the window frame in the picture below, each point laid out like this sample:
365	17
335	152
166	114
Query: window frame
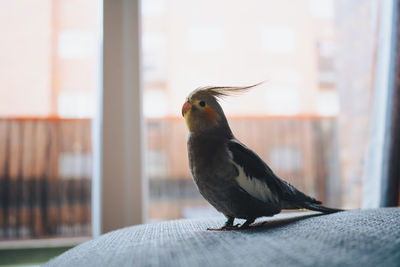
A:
375	174
119	179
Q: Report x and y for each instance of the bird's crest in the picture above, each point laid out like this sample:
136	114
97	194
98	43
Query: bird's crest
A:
222	91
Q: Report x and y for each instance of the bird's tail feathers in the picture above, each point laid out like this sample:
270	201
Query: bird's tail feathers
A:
316	207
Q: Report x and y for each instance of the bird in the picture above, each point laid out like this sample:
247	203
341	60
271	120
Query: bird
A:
228	174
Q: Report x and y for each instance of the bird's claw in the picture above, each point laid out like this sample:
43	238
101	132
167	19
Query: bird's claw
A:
225	228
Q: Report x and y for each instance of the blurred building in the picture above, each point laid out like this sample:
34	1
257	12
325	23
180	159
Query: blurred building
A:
49	58
289	44
315	56
48	71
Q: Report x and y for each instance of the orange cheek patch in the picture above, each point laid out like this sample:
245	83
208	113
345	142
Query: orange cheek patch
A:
210	114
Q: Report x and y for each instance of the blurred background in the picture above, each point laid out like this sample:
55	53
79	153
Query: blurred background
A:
309	121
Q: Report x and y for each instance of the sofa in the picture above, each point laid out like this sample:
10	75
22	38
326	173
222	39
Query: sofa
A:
369	237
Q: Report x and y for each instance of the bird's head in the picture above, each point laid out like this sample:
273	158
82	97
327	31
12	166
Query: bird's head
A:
203	113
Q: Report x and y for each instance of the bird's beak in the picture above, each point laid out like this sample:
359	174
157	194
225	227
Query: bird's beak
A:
186	107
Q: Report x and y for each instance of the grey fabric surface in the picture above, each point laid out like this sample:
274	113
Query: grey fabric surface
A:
351	238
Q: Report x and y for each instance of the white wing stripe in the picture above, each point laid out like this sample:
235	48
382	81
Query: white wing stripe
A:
254	187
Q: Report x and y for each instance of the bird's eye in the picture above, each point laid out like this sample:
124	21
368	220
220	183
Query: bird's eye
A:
202	104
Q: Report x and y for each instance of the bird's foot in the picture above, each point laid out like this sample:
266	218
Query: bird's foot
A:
225	228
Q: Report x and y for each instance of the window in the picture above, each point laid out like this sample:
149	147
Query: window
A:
205	38
303	121
278	40
282	101
48	86
285	158
74	44
155	56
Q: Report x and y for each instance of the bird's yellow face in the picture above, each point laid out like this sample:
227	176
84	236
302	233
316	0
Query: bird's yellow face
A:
199	114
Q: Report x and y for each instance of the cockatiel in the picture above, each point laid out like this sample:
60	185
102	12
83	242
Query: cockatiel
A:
229	175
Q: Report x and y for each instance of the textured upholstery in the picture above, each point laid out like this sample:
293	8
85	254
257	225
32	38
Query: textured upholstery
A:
351	238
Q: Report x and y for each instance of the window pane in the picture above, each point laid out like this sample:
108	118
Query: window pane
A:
309	121
48	81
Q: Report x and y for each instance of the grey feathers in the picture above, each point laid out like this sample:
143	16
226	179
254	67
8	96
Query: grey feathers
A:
230	176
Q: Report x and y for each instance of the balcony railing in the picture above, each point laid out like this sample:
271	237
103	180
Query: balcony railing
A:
45	178
46	168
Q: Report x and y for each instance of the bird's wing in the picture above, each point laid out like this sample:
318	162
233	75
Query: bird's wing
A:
257	179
